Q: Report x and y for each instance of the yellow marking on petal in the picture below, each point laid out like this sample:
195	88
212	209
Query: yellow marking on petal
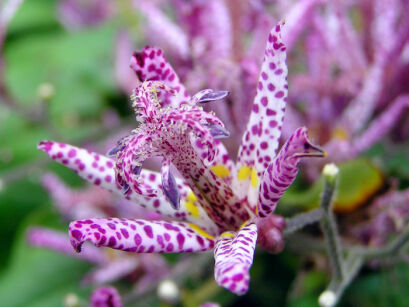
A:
340	133
227	234
191	197
200	231
254	178
244	224
221	171
192	209
244	172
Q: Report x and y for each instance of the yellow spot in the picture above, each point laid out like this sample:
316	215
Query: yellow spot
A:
192	209
244	172
254	178
244	224
191	197
227	234
220	170
200	231
339	133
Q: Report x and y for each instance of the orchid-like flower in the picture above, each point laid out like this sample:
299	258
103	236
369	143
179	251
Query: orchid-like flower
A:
351	78
217	204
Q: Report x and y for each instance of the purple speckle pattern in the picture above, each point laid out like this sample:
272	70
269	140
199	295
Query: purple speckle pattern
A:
149	64
281	173
216	196
234	256
82	165
261	137
264	126
140	236
170	133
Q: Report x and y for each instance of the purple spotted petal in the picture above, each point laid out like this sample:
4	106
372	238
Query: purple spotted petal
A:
137	149
91	166
281	173
234	256
149	64
106	297
260	140
99	170
169	185
140	236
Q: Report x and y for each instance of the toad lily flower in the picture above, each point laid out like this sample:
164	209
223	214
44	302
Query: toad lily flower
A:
217	204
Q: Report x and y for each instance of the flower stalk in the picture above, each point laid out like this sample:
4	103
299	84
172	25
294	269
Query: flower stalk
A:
301	220
328	223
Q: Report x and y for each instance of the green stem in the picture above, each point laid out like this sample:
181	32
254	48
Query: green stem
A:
331	296
329	227
390	249
301	220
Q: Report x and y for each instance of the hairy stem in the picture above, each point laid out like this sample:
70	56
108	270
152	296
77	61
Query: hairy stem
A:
331	296
328	223
301	220
390	249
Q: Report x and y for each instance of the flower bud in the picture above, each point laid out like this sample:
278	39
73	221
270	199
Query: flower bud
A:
106	297
168	291
270	235
46	91
71	300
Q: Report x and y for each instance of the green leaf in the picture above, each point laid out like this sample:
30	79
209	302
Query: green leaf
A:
358	180
17	201
79	67
38	277
34	15
379	289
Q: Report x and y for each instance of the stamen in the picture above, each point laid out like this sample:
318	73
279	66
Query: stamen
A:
209	95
